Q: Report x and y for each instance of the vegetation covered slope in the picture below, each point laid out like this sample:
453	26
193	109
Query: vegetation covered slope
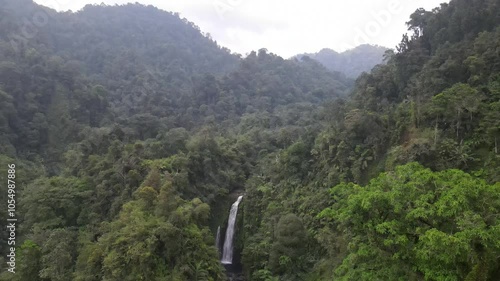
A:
126	163
128	140
434	102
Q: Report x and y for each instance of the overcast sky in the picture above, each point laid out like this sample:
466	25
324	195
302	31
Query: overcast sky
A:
288	27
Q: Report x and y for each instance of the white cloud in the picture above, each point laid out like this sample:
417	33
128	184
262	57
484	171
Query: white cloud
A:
287	28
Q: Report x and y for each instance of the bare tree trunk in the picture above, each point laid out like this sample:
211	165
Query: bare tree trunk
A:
436	133
417	112
496	145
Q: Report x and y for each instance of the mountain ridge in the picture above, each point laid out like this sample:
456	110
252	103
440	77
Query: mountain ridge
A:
351	62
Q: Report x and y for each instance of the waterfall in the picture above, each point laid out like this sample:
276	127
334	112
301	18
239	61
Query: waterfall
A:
227	253
217	239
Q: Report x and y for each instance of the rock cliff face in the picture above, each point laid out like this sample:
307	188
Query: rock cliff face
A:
239	239
235	277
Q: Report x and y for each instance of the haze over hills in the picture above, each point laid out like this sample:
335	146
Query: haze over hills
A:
141	65
351	62
133	135
286	30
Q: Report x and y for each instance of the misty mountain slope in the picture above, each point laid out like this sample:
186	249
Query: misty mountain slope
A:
352	62
138	66
161	39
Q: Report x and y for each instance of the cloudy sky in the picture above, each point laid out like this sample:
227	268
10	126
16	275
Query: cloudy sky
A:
287	27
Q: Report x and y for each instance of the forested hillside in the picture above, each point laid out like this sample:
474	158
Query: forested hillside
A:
132	133
352	62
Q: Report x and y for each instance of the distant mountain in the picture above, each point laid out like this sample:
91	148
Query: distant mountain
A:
135	65
352	62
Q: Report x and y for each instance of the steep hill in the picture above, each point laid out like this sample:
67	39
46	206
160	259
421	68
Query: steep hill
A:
134	65
128	128
435	102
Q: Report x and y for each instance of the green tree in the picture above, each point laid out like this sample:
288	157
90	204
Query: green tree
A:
287	252
414	223
458	103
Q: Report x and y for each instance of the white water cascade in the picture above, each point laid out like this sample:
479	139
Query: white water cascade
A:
227	251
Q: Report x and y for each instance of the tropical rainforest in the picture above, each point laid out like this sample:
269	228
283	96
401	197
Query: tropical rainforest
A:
132	132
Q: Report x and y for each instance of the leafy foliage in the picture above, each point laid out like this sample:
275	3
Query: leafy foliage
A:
416	223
